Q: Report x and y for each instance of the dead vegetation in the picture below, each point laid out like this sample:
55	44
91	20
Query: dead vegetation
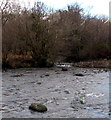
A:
37	37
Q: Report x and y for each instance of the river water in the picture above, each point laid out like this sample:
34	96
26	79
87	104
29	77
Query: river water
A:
59	90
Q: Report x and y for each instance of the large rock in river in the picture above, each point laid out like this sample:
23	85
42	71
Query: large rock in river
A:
38	107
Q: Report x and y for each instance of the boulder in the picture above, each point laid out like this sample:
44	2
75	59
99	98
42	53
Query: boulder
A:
38	107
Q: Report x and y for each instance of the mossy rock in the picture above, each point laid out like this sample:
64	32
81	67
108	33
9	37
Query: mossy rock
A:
38	107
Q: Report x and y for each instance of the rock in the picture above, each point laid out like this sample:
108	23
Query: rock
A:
67	92
56	90
41	76
79	74
28	71
78	102
19	75
98	83
82	101
38	107
47	74
83	88
64	69
106	70
39	83
58	72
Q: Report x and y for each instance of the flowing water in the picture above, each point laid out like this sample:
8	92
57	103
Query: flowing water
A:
61	91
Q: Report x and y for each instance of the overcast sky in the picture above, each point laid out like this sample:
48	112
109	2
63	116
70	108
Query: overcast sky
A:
97	6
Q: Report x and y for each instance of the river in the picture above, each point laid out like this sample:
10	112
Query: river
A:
59	90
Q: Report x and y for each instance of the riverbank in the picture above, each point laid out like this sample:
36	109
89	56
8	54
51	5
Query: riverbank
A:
93	64
27	62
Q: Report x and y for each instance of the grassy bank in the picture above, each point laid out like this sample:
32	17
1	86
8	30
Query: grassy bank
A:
93	64
20	61
23	61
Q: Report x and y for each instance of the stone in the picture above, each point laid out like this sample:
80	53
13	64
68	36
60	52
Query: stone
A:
18	75
82	101
47	74
64	69
79	74
57	72
78	102
39	83
41	76
38	107
67	92
83	88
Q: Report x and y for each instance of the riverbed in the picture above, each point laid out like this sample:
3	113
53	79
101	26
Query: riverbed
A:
66	94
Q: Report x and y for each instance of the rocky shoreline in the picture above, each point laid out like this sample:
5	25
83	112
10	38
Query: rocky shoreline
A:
93	64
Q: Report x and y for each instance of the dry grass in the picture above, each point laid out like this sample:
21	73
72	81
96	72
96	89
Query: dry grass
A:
94	64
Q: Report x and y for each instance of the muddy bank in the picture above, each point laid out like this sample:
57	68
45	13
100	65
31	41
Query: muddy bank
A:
93	64
65	94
